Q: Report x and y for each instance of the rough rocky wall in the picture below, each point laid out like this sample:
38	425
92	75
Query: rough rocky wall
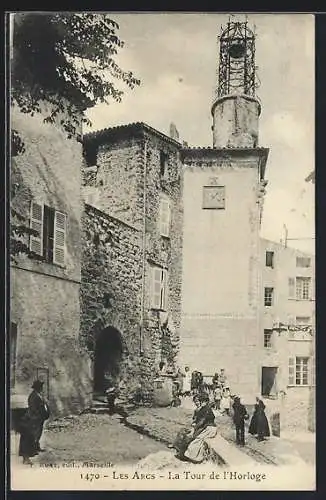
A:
44	296
163	251
111	285
129	181
119	179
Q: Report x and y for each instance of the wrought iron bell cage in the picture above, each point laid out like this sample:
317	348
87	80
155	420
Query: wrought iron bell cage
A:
237	70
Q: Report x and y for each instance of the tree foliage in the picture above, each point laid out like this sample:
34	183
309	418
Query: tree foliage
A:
67	60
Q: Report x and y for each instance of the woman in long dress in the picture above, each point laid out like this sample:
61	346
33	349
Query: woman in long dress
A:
192	445
259	423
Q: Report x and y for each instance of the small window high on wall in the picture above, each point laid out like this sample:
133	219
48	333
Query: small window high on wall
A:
163	164
268	296
269	259
159	288
165	216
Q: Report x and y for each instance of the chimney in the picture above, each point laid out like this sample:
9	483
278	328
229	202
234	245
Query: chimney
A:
174	134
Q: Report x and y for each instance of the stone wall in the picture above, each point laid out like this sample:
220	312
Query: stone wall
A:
112	285
45	296
129	184
46	311
119	179
163	251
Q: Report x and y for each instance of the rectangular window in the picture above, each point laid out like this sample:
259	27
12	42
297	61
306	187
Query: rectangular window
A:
51	227
163	164
159	288
268	296
303	262
301	370
165	215
269	259
214	197
303	286
268	338
13	353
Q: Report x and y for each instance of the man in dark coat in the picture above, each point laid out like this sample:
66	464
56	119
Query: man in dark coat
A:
239	416
31	426
39	411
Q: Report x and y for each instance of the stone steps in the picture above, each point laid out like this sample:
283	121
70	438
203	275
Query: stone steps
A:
99	407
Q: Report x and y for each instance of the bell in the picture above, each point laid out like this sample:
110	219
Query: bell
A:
237	50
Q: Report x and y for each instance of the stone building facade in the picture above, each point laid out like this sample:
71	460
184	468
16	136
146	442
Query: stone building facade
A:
224	189
287	332
133	184
44	291
221	263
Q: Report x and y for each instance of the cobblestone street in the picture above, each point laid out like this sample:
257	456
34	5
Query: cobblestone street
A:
94	438
147	432
164	423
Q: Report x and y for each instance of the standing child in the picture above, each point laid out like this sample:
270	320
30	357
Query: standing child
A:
217	397
186	389
226	401
239	416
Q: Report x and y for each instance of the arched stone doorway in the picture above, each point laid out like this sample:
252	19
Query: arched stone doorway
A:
107	358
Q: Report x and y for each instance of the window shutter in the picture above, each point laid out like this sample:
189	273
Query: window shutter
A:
156	287
59	241
291	287
313	371
312	289
164	285
165	217
291	371
36	223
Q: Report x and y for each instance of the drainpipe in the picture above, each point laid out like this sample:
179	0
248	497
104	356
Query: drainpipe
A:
142	307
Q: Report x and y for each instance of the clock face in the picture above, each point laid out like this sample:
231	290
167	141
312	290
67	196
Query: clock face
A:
214	197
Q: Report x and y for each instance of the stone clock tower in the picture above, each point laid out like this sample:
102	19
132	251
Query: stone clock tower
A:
223	194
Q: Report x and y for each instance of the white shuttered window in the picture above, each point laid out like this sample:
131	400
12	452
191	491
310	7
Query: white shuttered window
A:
291	371
59	240
165	216
159	288
36	223
51	226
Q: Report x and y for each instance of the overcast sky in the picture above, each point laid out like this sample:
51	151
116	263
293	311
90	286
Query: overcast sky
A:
176	55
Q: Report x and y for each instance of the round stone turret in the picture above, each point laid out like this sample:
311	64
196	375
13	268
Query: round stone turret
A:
235	121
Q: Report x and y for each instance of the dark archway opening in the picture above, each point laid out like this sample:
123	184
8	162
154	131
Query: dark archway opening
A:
268	382
107	359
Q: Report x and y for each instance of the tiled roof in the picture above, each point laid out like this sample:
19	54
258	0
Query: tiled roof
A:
130	128
226	148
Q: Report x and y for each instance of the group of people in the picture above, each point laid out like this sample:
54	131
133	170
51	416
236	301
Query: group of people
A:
191	444
31	424
189	383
